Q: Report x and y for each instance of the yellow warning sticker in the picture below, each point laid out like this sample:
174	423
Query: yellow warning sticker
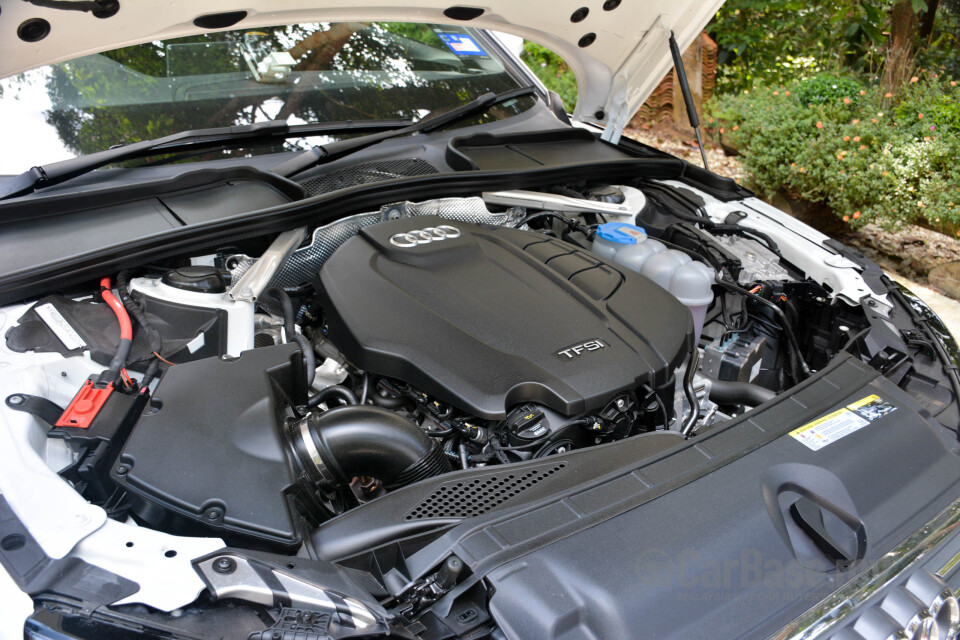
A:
833	426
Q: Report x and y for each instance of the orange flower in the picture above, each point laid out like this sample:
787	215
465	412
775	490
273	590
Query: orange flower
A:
803	169
786	93
776	93
735	127
914	79
839	156
710	121
846	101
862	147
874	121
884	173
953	83
846	218
856	121
919	116
862	92
888	95
819	125
721	129
846	138
856	138
926	138
856	214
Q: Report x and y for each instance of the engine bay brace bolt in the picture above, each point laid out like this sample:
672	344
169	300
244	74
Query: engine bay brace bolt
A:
15	400
214	514
224	565
123	470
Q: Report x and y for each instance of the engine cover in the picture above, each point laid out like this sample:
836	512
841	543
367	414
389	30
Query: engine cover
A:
485	318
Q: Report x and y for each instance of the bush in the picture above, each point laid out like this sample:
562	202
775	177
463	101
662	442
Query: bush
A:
552	71
867	155
826	89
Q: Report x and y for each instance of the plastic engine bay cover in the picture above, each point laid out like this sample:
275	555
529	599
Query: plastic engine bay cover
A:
485	317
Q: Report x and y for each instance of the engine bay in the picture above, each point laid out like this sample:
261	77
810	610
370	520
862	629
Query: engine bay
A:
275	393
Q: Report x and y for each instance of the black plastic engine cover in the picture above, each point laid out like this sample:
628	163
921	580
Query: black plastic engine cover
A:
497	317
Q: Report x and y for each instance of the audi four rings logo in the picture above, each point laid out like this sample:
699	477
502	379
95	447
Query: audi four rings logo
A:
424	236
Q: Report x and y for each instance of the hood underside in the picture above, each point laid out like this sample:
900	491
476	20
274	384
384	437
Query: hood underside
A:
618	50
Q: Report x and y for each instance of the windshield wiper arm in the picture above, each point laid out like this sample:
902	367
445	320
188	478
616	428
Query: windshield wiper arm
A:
59	172
320	154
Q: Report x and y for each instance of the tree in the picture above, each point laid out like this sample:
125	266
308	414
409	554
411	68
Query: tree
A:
905	27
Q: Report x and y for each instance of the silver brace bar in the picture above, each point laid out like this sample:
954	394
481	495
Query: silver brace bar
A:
553	202
255	279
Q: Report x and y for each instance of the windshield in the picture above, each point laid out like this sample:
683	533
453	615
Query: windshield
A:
302	74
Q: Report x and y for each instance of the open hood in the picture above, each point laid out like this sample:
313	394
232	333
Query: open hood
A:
618	50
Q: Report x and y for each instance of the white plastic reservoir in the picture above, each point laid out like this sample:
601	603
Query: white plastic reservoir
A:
690	281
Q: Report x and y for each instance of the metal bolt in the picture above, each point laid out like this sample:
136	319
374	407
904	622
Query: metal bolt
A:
224	565
214	514
123	470
871	303
16	400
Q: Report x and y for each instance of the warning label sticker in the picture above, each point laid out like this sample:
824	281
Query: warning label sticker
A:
60	326
831	427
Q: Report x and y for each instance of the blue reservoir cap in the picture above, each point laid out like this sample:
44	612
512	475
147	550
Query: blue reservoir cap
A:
621	233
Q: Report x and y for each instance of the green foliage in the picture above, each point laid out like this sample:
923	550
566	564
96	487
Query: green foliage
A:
552	71
826	89
867	156
768	42
925	108
764	42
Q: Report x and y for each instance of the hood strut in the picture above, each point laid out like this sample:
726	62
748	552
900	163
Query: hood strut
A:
687	96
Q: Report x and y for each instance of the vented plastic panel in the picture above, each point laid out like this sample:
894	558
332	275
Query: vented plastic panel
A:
479	495
367	173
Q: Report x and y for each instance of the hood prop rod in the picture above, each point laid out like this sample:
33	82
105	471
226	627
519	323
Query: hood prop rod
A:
687	96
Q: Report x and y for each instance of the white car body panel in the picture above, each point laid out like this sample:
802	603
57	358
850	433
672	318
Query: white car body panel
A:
615	73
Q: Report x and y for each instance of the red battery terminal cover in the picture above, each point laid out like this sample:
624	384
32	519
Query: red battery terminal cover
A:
85	405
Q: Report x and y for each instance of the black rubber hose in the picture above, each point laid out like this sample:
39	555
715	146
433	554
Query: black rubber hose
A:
694	404
290	329
366	388
309	359
286	308
337	390
745	393
367	441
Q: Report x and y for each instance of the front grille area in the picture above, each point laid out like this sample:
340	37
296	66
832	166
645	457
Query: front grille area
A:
367	173
479	495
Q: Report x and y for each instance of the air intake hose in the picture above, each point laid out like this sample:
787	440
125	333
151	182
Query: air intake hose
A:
745	393
342	443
